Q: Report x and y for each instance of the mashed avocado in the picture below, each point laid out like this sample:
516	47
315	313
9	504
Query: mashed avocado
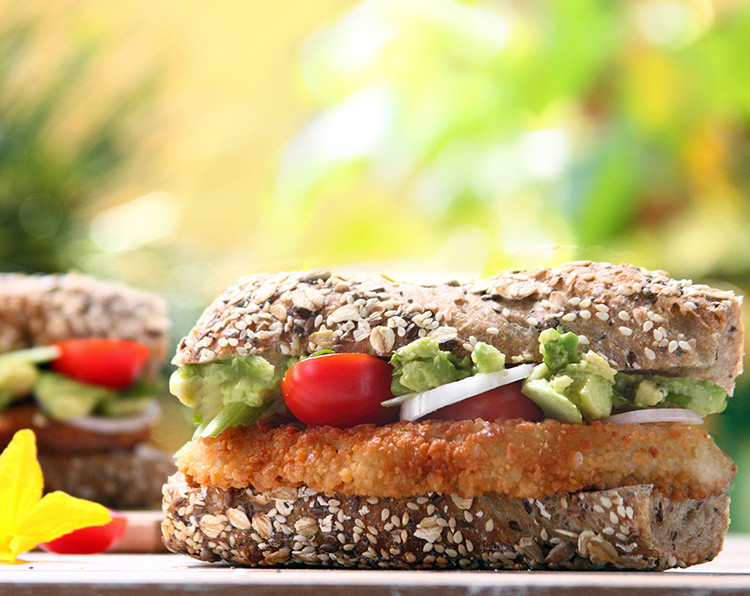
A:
422	365
575	388
228	392
703	397
567	385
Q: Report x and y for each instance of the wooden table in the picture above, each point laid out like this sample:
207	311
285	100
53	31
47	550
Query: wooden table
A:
171	574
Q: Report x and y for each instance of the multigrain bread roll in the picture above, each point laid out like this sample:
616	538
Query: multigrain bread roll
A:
39	310
625	478
641	320
55	332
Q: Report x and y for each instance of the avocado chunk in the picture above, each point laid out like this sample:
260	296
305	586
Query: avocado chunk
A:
17	377
558	349
647	394
553	404
63	398
567	386
422	365
595	398
487	359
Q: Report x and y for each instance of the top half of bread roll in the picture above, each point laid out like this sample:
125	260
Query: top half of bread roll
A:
639	320
37	310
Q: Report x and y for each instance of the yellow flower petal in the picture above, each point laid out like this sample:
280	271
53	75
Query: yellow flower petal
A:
18	545
20	482
58	513
27	518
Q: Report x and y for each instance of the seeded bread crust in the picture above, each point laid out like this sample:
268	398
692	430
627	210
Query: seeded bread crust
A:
625	528
121	479
41	309
639	320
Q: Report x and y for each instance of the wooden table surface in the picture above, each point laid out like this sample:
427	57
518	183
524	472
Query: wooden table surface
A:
82	575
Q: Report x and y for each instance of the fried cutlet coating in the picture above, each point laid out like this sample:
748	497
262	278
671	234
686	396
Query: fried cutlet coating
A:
470	458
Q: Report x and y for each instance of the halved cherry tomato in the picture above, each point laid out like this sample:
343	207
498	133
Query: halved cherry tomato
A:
339	390
113	363
502	403
87	541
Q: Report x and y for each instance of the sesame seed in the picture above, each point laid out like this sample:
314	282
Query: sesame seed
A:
586	315
613	517
602	315
568	317
673	345
623	315
648	326
489	526
684	345
650	354
626	331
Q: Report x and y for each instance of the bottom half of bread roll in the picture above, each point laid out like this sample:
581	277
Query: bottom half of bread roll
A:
631	527
461	495
119	479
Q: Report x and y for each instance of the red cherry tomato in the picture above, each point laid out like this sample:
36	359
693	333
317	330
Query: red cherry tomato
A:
339	390
113	363
502	403
87	541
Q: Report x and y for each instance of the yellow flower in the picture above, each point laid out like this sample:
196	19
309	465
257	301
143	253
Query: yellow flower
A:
27	518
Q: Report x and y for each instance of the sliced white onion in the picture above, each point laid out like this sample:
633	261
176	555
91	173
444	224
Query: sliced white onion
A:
421	404
112	425
655	415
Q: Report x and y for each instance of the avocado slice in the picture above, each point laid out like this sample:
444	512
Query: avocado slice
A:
17	377
124	406
595	398
63	398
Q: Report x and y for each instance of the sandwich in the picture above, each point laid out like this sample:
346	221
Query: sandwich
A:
79	365
544	419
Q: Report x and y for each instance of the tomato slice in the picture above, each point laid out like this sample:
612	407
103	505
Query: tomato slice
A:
91	540
502	403
113	363
339	390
